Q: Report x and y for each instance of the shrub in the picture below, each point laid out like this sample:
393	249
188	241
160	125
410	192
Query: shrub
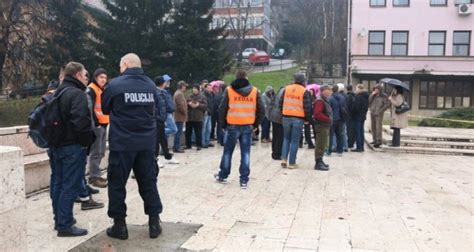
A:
462	114
15	112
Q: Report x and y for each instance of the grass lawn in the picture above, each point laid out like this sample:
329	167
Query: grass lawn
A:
262	80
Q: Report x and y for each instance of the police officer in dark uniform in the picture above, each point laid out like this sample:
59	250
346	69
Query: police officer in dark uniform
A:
131	102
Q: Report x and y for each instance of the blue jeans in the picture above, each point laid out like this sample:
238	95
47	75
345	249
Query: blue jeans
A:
337	130
243	134
266	124
359	134
206	130
170	125
345	143
68	164
177	136
292	128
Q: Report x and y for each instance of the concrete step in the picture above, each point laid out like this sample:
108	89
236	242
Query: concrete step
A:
430	136
428	151
431	150
438	144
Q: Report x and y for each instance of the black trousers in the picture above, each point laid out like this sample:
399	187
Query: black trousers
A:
277	140
350	133
146	172
307	134
396	137
197	128
162	141
213	125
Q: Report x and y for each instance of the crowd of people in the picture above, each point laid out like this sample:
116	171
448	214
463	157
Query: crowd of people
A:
139	116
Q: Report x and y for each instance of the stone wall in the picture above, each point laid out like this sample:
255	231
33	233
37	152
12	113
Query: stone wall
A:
35	160
13	236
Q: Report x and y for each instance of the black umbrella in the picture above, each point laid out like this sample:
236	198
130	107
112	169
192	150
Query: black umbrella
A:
395	83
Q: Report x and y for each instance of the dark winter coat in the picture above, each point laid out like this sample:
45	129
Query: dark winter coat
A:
338	106
197	114
131	100
76	113
161	105
210	102
360	106
274	108
170	107
350	99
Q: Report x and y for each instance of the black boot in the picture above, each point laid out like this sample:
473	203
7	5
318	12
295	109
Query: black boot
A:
320	165
324	163
118	230
154	226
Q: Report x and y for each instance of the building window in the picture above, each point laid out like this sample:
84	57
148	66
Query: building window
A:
377	3
436	43
445	94
401	2
461	43
400	43
439	2
457	2
377	43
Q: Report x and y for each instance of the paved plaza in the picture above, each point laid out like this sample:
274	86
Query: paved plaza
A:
366	202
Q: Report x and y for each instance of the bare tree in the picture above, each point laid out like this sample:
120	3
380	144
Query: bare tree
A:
238	23
324	30
21	33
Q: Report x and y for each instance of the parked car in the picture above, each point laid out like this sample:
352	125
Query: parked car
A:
260	57
279	53
246	53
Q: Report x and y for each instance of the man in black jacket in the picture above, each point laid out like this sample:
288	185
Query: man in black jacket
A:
350	99
359	114
68	155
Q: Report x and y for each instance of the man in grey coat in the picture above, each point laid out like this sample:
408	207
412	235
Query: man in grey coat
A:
378	103
276	118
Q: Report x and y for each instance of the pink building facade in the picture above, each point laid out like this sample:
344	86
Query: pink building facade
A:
426	43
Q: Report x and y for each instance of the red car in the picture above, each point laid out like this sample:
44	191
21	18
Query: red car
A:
260	57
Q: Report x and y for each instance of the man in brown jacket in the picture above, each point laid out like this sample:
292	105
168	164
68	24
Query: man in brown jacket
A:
378	103
197	106
180	115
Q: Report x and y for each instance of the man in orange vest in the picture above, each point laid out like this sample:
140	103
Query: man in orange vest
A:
101	121
240	112
296	109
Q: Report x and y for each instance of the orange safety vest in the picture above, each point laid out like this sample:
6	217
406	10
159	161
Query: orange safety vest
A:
103	119
242	109
293	101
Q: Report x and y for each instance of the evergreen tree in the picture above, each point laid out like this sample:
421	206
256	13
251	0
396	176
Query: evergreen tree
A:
197	52
70	38
133	26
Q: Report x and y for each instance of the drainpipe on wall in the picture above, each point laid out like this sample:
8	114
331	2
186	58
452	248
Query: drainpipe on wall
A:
349	40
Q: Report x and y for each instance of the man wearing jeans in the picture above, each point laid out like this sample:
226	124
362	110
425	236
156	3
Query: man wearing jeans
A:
180	115
206	123
69	151
296	110
240	112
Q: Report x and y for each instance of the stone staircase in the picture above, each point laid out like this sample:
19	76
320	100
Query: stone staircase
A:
427	140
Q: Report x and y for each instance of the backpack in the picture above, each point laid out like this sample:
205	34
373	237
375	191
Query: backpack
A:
46	128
